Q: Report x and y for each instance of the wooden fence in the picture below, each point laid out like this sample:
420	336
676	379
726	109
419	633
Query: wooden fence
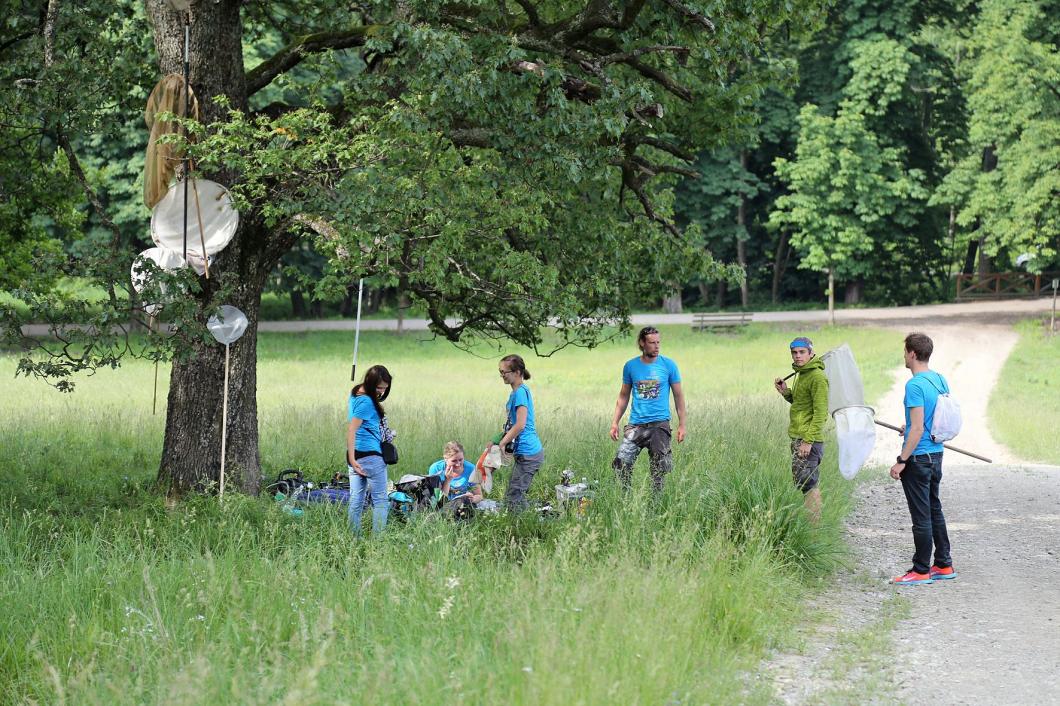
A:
1005	285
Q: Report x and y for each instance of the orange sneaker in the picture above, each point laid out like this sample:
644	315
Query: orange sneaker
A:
939	573
911	578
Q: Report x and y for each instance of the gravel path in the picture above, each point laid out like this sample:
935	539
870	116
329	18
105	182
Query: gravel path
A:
992	636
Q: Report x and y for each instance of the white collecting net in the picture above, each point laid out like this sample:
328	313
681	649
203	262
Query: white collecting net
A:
854	420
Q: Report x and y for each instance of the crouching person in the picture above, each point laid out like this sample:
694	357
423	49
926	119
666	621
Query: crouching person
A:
455	473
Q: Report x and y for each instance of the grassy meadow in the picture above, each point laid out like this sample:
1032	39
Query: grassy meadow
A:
111	595
1025	405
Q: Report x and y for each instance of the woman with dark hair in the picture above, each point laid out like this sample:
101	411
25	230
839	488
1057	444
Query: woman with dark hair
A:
520	432
364	447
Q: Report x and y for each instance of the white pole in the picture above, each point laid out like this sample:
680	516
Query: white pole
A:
1052	317
224	424
183	132
357	330
831	295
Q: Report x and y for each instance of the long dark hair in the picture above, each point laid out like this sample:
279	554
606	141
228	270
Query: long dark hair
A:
375	375
517	365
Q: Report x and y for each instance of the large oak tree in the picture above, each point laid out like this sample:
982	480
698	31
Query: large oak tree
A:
508	163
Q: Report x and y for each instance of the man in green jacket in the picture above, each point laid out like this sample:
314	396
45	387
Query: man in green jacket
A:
808	397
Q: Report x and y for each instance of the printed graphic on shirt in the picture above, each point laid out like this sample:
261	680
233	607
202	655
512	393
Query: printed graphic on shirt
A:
648	389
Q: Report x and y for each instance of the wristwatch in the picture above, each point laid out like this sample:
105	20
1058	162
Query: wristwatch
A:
902	460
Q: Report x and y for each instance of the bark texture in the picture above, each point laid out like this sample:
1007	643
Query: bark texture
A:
191	454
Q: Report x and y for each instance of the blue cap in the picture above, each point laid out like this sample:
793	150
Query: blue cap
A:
802	342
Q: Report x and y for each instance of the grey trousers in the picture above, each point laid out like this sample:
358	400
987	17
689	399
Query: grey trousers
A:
522	475
654	436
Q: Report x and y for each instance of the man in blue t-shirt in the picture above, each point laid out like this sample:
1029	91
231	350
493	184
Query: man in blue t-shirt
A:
919	467
649	379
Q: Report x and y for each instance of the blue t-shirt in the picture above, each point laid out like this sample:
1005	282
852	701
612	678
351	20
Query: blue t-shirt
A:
923	390
650	388
527	443
459	485
369	433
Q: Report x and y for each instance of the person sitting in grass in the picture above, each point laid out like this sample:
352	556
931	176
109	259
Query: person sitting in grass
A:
455	472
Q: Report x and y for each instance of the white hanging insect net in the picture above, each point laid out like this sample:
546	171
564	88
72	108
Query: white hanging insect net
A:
854	420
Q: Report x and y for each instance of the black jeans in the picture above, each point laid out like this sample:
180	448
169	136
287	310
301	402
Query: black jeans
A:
920	480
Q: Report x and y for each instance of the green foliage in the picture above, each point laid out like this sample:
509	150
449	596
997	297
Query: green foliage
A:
475	156
850	195
1012	82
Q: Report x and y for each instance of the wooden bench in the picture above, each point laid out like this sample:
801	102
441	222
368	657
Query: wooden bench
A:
701	322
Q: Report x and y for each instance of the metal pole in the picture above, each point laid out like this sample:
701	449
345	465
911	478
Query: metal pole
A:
224	424
831	295
153	323
187	106
951	448
357	330
1052	317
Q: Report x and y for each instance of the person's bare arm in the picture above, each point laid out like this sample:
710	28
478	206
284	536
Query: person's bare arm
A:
679	402
620	408
351	437
912	437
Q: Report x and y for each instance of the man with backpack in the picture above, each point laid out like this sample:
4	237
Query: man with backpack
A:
808	397
929	420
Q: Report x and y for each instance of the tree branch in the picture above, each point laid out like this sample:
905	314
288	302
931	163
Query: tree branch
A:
661	78
531	12
293	54
662	145
624	57
699	18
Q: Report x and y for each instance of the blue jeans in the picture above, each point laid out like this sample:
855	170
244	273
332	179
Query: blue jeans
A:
920	481
375	469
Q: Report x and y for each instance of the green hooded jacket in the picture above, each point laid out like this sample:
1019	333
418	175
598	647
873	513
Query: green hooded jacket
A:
808	396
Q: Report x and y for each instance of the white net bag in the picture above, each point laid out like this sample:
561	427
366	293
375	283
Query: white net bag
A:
845	388
855	433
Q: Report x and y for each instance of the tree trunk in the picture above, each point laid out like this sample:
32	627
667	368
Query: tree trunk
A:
780	263
672	303
723	289
403	304
298	309
741	241
704	293
984	259
192	447
853	291
970	256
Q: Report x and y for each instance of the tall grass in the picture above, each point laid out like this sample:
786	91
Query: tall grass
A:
1025	404
111	595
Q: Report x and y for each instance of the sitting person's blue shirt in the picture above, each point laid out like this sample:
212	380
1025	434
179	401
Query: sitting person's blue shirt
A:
457	486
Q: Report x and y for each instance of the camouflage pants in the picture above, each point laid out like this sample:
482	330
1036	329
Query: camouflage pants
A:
806	471
653	436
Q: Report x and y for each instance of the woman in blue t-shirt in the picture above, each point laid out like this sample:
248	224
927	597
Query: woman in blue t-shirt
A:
364	450
521	430
455	473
